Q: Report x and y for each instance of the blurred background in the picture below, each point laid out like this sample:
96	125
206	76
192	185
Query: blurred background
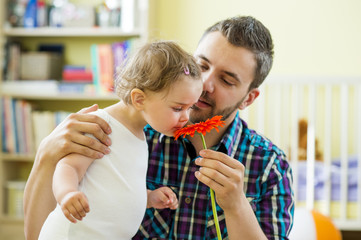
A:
312	92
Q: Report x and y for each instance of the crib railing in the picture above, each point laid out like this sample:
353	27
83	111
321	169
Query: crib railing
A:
332	108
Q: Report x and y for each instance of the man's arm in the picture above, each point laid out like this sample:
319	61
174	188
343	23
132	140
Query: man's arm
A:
224	175
67	138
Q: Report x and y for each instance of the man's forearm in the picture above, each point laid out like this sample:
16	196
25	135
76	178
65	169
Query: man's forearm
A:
243	224
39	200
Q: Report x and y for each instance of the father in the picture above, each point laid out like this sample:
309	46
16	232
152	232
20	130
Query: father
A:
251	177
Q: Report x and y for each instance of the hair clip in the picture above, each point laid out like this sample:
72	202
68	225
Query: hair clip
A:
186	70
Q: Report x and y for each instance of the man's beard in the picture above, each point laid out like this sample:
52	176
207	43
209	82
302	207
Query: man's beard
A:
197	116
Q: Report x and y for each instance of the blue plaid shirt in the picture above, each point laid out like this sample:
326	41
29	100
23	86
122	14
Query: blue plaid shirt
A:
267	184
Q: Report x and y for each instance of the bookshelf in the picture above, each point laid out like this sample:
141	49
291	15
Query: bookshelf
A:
15	166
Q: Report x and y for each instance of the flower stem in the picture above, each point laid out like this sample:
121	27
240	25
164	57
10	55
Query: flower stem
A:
213	200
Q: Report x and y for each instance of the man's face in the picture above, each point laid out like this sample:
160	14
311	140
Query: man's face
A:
227	73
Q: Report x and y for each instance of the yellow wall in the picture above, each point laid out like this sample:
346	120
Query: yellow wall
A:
312	37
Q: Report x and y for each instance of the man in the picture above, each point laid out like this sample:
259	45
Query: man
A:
249	174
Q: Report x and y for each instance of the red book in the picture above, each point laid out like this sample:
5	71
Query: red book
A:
78	76
106	67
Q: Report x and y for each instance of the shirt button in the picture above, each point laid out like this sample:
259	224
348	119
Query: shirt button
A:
187	200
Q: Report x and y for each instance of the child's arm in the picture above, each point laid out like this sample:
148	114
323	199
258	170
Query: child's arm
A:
68	173
163	197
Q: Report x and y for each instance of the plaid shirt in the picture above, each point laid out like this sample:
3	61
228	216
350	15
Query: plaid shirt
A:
267	184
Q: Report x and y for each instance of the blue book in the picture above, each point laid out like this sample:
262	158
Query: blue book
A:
95	67
3	127
14	126
74	67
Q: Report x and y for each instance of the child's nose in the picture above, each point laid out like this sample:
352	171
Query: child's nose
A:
184	117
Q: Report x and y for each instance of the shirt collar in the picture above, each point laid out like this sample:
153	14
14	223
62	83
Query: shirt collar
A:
232	136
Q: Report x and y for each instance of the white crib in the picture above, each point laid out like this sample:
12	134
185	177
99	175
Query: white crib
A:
332	107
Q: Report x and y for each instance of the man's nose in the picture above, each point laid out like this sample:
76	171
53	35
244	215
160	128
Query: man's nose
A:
208	81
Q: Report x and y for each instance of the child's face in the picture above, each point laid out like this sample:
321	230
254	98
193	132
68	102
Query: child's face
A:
168	110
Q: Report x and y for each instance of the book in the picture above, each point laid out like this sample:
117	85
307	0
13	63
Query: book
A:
20	127
43	124
78	76
102	67
120	53
12	61
9	125
27	108
106	68
95	67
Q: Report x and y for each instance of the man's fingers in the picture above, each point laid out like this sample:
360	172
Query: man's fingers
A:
97	123
214	175
217	165
208	181
221	157
92	108
86	145
95	130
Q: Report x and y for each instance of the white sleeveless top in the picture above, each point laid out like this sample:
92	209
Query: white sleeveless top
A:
115	186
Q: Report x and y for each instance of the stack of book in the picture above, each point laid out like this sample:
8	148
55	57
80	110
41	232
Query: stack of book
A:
76	79
23	128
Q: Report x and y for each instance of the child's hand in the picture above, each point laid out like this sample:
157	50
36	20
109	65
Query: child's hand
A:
161	198
75	206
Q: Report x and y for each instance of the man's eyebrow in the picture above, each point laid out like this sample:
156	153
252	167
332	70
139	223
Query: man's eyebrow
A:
204	58
231	74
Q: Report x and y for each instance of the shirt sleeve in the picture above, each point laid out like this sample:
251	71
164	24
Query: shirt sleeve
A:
275	207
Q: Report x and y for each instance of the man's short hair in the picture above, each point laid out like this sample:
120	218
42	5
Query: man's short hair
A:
249	33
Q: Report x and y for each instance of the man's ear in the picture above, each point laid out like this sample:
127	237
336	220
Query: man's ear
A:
249	99
138	98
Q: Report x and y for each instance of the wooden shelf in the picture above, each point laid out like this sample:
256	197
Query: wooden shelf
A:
7	157
8	219
49	90
70	32
62	96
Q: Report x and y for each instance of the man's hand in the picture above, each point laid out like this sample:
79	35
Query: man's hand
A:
68	136
224	175
161	198
75	206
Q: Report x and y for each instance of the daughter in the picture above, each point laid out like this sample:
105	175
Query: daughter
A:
158	86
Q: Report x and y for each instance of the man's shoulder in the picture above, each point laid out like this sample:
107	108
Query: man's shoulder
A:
259	141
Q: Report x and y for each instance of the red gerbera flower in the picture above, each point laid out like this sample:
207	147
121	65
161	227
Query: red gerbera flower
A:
201	127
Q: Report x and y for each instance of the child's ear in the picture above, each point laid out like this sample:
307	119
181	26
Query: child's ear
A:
138	98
